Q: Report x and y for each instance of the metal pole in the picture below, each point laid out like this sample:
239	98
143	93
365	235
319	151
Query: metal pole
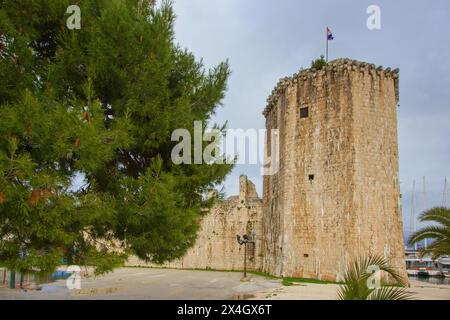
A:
424	205
327	44
12	279
412	222
444	195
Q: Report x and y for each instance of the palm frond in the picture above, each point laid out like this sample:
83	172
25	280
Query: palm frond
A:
438	214
440	233
355	280
434	232
390	293
437	248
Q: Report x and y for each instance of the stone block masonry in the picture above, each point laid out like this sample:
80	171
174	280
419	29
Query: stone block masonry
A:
216	246
336	196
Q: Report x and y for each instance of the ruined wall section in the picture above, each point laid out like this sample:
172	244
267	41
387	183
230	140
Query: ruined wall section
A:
216	246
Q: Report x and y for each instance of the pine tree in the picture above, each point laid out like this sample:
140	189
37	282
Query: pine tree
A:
98	105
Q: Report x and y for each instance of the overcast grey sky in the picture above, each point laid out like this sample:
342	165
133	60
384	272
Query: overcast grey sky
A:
266	40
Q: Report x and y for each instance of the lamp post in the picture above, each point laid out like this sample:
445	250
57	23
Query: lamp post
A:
244	241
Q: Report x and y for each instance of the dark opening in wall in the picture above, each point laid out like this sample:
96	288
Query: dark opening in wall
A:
304	112
311	177
306	255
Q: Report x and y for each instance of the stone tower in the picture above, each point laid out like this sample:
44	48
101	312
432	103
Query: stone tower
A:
336	194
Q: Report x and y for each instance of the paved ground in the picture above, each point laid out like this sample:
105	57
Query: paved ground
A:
312	291
146	283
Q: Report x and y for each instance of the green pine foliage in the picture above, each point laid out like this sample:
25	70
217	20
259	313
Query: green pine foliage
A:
99	105
319	63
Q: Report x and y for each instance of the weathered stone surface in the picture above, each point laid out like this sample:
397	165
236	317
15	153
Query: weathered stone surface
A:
336	196
216	246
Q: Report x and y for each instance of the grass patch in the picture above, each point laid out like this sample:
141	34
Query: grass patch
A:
288	281
263	274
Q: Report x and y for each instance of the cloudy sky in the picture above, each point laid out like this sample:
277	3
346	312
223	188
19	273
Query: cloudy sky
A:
266	40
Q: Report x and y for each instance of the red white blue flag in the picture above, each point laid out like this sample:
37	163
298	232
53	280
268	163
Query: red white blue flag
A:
329	34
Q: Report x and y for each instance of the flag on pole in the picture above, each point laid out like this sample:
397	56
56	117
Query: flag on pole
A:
329	37
329	34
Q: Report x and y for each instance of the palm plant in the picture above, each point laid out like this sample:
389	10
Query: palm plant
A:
439	232
357	280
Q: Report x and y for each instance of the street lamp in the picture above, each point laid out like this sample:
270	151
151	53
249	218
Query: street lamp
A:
244	241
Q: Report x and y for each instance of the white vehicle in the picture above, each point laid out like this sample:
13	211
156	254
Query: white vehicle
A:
443	264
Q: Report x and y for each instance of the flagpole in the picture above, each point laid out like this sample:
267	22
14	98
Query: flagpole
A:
326	37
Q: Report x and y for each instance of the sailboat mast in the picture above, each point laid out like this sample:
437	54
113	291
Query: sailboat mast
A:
444	196
424	199
412	222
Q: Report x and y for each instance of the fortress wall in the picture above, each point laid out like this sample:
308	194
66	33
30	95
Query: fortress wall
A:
336	194
216	246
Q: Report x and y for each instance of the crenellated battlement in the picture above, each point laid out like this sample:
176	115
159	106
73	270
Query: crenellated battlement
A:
332	67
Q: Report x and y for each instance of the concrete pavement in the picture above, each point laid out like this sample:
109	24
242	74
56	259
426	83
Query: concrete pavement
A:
176	284
149	283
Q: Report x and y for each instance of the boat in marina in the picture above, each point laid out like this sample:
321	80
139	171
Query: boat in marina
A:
443	264
422	267
419	266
